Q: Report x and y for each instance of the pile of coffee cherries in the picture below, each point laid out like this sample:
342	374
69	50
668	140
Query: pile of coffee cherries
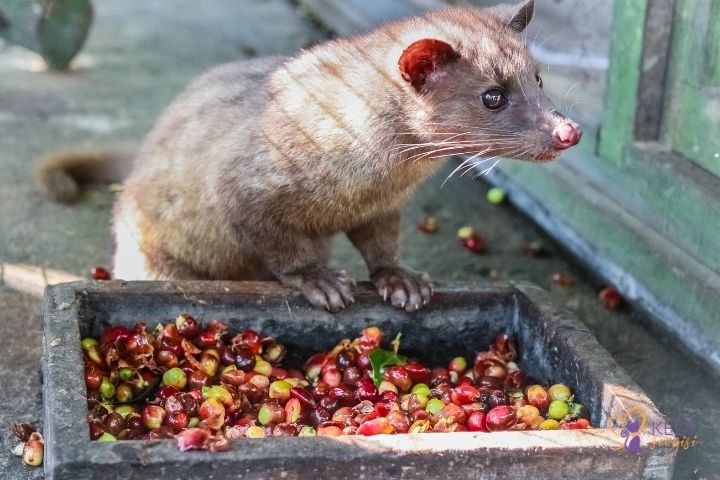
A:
205	386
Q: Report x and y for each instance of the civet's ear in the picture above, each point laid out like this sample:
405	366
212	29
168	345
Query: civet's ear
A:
424	57
517	17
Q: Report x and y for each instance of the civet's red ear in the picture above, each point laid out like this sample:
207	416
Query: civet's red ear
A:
422	58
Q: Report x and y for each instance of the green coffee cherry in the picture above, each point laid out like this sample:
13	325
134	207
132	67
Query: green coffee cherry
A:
558	409
434	406
175	377
496	196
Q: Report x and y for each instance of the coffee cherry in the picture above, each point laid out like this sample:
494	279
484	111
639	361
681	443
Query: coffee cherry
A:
458	364
496	196
500	418
232	375
610	298
471	240
419	426
329	403
476	422
329	431
559	392
343	415
198	379
210	362
123	393
307	431
280	390
303	396
434	406
558	409
284	430
153	416
250	340
219	393
93	376
96	429
530	416
245	359
421	389
343	393
318	416
114	423
125	374
428	225
293	410
125	410
538	397
177	421
211	407
271	414
100	273
273	352
579	424
549	424
351	375
367	391
418	372
399	377
187	326
255	432
399	421
106	437
175	378
464	394
89	346
107	389
450	412
497	398
262	367
563	279
376	426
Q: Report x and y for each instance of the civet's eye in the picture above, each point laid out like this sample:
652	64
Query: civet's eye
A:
494	99
539	81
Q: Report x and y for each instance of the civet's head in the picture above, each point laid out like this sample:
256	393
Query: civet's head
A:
475	85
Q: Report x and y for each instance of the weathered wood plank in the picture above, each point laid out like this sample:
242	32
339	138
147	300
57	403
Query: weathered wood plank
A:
652	84
693	115
623	79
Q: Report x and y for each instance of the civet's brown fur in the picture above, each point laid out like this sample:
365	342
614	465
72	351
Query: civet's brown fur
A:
253	169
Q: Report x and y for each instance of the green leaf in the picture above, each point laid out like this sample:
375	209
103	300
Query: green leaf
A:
381	358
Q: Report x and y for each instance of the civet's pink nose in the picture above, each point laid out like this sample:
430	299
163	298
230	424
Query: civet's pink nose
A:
567	134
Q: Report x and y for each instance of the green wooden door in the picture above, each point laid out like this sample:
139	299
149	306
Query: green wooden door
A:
692	119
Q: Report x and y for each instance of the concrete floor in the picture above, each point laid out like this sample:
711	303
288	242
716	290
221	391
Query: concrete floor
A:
139	56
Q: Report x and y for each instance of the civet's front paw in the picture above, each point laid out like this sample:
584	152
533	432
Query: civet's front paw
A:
403	287
327	289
